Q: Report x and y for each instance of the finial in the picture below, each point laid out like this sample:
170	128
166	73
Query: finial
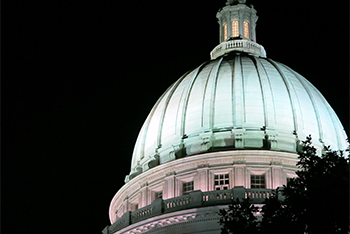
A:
233	2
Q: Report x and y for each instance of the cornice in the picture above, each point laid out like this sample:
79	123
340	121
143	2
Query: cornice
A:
210	160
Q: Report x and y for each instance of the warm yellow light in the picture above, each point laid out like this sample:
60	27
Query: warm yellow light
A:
235	31
225	30
246	28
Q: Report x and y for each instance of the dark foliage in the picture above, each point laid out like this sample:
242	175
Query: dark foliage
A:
239	218
317	201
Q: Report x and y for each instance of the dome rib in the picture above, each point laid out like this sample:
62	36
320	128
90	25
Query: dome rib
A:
224	104
187	96
261	88
233	91
253	98
270	119
213	95
314	105
238	86
204	95
149	118
160	127
243	92
272	96
335	124
288	88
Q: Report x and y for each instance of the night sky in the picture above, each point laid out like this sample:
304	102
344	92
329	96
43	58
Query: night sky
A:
79	80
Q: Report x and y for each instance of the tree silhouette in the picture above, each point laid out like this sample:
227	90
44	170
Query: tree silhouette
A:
316	201
239	218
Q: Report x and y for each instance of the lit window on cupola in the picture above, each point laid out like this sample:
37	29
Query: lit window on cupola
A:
224	25
246	28
235	31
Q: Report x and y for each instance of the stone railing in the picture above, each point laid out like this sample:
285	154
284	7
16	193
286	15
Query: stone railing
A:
194	199
238	45
217	197
258	194
141	214
177	203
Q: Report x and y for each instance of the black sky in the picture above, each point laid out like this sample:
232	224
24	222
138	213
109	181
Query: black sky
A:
80	79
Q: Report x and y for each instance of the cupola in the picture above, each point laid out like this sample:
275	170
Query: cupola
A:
237	30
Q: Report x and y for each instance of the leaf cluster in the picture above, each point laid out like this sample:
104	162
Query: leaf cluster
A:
239	218
316	201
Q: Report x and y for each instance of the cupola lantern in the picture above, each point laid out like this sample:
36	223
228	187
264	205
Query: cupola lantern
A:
237	30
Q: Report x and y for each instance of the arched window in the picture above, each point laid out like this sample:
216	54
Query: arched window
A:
224	30
246	28
235	31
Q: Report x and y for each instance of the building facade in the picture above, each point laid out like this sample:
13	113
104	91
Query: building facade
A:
230	128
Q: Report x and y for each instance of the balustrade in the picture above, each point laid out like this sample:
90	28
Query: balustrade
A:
194	199
238	45
258	193
177	202
221	196
141	214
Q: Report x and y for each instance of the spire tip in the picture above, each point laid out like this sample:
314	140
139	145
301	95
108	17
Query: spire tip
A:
233	2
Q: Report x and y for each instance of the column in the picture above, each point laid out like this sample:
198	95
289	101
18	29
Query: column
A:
202	178
240	22
239	176
220	30
169	186
143	195
229	25
277	180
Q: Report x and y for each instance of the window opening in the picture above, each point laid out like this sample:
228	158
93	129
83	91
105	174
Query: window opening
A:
246	28
159	195
257	181
221	182
235	31
224	25
187	187
134	206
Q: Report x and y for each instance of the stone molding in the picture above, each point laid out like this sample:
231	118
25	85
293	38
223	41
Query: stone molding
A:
212	161
193	207
173	219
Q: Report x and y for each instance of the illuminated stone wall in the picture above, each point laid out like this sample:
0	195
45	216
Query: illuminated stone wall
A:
136	206
168	178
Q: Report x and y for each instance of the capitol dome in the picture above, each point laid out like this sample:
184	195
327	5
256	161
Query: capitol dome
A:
236	101
228	129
